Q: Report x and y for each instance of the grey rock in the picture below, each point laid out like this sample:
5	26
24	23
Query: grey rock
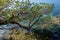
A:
6	29
3	33
9	26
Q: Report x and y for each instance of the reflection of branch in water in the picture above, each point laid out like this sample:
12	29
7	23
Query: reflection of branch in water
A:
34	22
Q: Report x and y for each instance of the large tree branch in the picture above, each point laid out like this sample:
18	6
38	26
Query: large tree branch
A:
34	22
13	21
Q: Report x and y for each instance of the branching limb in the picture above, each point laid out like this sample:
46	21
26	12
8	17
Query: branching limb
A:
34	22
